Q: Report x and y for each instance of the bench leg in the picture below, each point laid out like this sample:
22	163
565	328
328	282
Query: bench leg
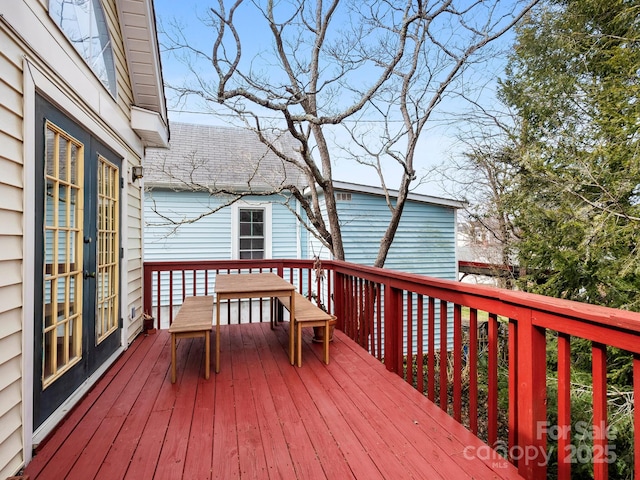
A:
299	343
325	343
173	358
207	353
218	300
292	341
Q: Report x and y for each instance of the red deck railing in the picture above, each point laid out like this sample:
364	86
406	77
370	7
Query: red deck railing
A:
443	336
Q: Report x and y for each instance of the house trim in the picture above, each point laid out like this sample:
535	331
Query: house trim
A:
138	27
86	89
28	261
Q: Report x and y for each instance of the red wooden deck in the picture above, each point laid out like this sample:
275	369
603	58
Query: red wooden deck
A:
259	418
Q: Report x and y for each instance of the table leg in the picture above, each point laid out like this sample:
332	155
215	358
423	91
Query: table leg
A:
272	310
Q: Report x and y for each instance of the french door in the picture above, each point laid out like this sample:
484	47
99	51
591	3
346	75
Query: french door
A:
77	320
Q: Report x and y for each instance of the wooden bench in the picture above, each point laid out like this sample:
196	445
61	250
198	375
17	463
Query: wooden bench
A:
194	319
308	315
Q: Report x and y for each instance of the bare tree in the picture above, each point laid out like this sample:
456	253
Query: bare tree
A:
343	65
482	177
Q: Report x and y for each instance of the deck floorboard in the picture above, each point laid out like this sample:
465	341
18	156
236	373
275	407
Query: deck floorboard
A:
259	417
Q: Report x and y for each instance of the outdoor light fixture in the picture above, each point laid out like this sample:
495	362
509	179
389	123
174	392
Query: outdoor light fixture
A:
136	172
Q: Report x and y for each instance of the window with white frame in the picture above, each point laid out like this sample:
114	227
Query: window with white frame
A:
252	231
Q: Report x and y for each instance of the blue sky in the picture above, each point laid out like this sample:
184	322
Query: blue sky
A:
438	143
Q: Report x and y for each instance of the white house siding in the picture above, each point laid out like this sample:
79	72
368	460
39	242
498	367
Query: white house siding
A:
11	252
132	239
132	219
131	224
132	230
125	94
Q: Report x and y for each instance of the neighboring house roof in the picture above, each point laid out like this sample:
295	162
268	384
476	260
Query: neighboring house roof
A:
231	158
415	197
149	111
216	157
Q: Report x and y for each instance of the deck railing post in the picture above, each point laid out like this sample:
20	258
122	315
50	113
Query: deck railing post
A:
393	329
338	299
531	429
147	290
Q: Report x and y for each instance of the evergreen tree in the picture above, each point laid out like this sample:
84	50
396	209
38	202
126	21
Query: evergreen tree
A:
574	81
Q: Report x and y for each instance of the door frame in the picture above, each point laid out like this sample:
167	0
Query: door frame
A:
93	353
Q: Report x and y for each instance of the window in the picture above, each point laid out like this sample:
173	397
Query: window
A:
251	233
251	230
84	24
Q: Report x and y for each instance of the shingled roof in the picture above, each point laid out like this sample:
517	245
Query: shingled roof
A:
219	157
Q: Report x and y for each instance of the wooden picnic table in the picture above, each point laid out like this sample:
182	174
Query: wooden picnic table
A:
252	285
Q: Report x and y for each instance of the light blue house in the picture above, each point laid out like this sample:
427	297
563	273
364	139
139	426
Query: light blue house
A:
210	196
193	209
425	239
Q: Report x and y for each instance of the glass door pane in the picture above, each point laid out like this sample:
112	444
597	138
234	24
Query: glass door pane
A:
108	249
62	327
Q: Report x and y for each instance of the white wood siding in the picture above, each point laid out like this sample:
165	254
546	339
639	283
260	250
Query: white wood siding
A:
124	90
132	263
132	224
42	47
11	219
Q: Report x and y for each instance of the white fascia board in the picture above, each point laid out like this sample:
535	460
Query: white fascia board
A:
138	27
150	127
